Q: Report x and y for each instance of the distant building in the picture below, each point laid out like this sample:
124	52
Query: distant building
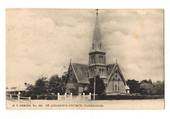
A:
147	87
14	91
80	75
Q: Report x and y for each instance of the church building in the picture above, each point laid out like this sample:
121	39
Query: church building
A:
81	74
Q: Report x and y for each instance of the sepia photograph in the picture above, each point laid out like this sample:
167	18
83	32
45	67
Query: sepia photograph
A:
90	59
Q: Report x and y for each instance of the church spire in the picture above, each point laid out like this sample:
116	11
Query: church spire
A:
97	43
97	56
96	12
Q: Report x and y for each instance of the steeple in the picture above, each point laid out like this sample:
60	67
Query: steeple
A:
97	43
97	12
97	56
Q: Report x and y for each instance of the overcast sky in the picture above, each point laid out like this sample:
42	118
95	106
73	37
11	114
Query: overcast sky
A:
42	41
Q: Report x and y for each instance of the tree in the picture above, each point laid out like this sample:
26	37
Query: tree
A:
56	85
41	86
147	87
64	77
133	85
30	90
99	86
159	87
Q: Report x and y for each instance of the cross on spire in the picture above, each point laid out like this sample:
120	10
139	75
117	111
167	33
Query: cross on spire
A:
97	12
97	43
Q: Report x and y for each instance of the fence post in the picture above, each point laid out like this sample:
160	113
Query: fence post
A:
71	96
83	96
10	96
65	96
79	96
89	96
58	96
18	95
29	98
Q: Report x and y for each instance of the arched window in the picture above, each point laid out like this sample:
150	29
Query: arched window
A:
92	59
116	88
102	71
101	59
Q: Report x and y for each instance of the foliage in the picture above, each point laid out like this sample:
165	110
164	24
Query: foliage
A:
56	85
133	85
41	86
48	89
64	77
159	87
146	87
45	89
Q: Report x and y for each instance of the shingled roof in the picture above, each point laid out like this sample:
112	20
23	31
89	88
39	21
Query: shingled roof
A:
81	71
109	68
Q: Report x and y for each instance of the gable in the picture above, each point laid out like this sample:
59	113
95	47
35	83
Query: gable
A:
109	68
116	74
80	73
71	75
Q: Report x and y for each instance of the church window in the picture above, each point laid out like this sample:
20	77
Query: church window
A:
102	71
92	59
92	71
101	59
116	87
100	45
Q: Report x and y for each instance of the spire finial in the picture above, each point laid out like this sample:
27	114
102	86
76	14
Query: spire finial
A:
97	12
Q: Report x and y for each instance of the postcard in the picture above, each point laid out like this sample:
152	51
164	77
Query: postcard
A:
84	58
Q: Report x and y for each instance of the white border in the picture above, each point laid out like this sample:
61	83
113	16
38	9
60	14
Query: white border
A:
45	114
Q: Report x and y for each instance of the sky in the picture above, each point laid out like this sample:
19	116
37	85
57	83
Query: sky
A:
41	42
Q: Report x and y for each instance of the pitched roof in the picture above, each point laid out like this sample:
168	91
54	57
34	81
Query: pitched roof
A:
109	68
81	72
114	70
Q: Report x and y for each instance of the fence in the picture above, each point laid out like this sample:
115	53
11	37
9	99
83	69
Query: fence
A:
18	97
79	97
